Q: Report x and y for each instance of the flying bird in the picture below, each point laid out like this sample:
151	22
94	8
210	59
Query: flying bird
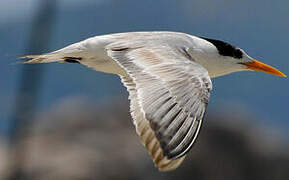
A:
168	77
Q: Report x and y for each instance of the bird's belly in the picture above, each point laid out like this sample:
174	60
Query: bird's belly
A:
103	64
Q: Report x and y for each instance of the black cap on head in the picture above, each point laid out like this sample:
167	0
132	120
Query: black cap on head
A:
226	49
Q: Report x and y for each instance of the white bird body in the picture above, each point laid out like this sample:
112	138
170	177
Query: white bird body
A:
94	55
167	75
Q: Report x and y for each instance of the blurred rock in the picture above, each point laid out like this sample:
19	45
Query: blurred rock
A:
80	140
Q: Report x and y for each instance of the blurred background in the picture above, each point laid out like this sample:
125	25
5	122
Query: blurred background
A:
65	121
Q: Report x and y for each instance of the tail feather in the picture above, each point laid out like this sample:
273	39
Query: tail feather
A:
73	52
44	58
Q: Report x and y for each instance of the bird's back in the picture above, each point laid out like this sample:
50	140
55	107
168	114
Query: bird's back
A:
92	51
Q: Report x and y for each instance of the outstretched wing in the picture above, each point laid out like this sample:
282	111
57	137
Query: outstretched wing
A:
169	93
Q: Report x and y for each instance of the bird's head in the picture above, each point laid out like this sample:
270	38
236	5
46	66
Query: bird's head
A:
223	58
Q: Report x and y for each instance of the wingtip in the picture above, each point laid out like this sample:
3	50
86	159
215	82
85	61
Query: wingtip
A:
166	165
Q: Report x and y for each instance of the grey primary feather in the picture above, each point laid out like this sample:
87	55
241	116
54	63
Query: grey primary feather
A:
146	133
168	92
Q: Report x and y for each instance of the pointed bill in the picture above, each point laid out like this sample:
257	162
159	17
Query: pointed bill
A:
259	66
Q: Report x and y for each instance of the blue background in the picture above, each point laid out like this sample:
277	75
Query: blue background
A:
259	27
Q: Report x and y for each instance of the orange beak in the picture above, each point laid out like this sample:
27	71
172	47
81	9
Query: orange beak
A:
259	66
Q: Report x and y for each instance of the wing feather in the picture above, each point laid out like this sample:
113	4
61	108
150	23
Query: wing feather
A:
146	133
168	93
